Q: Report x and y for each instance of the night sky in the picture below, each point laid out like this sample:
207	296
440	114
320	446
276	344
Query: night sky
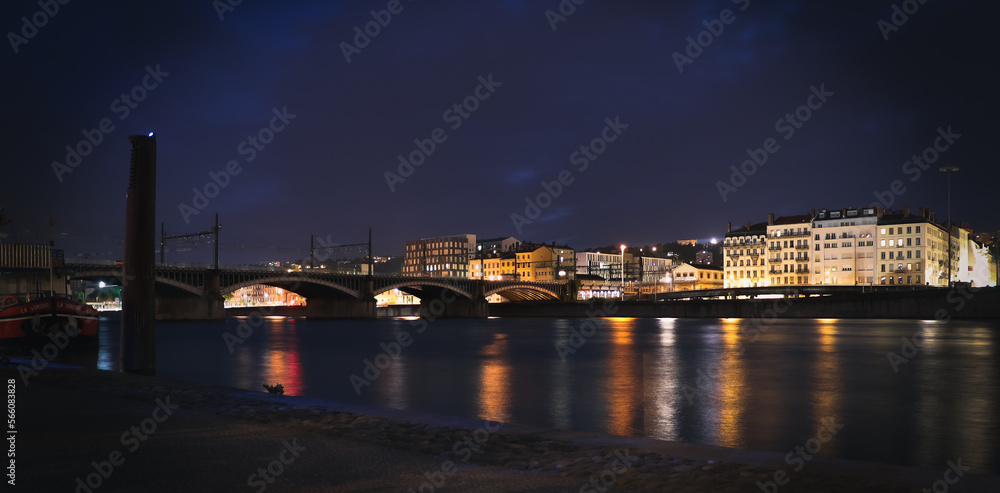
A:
550	91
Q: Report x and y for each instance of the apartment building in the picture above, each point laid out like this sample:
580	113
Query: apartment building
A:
445	256
745	251
864	246
606	265
497	246
845	246
788	247
493	267
913	250
543	263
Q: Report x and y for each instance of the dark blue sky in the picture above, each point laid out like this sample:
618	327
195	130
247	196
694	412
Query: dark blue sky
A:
324	172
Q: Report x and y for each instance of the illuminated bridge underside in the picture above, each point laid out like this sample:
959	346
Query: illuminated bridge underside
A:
328	286
200	282
525	293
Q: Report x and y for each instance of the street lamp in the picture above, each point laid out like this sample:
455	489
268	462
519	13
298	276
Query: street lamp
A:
656	287
949	170
623	272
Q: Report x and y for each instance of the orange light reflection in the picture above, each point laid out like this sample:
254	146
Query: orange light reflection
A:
623	386
494	393
732	386
826	391
281	362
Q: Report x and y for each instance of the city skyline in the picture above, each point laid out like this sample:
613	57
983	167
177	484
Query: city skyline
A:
634	134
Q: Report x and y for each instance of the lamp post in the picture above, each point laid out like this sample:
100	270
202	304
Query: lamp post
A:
623	272
656	288
949	170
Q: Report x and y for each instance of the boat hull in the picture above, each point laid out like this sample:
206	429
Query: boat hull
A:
38	319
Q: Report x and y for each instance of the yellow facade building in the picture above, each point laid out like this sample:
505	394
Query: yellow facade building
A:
697	276
493	267
545	263
788	247
745	251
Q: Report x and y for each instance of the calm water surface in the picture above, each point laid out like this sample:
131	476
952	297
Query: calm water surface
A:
692	380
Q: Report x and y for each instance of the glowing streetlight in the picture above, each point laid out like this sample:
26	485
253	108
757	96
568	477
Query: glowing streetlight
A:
623	272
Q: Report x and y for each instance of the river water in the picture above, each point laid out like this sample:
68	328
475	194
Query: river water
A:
693	380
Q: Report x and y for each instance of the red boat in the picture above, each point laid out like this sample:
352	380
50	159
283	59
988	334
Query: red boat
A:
37	318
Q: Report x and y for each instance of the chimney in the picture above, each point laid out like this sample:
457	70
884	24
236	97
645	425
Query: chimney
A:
748	225
729	227
879	210
812	212
770	219
906	211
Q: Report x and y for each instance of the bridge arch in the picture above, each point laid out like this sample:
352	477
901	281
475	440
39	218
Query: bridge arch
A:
183	286
422	282
524	292
297	285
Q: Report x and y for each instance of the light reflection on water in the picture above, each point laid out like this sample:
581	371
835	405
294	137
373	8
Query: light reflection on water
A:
691	380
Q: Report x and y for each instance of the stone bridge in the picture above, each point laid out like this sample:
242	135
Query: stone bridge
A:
196	292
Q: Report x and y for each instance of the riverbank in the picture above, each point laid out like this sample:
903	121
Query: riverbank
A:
72	422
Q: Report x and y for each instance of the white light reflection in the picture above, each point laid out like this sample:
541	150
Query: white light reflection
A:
391	389
661	386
